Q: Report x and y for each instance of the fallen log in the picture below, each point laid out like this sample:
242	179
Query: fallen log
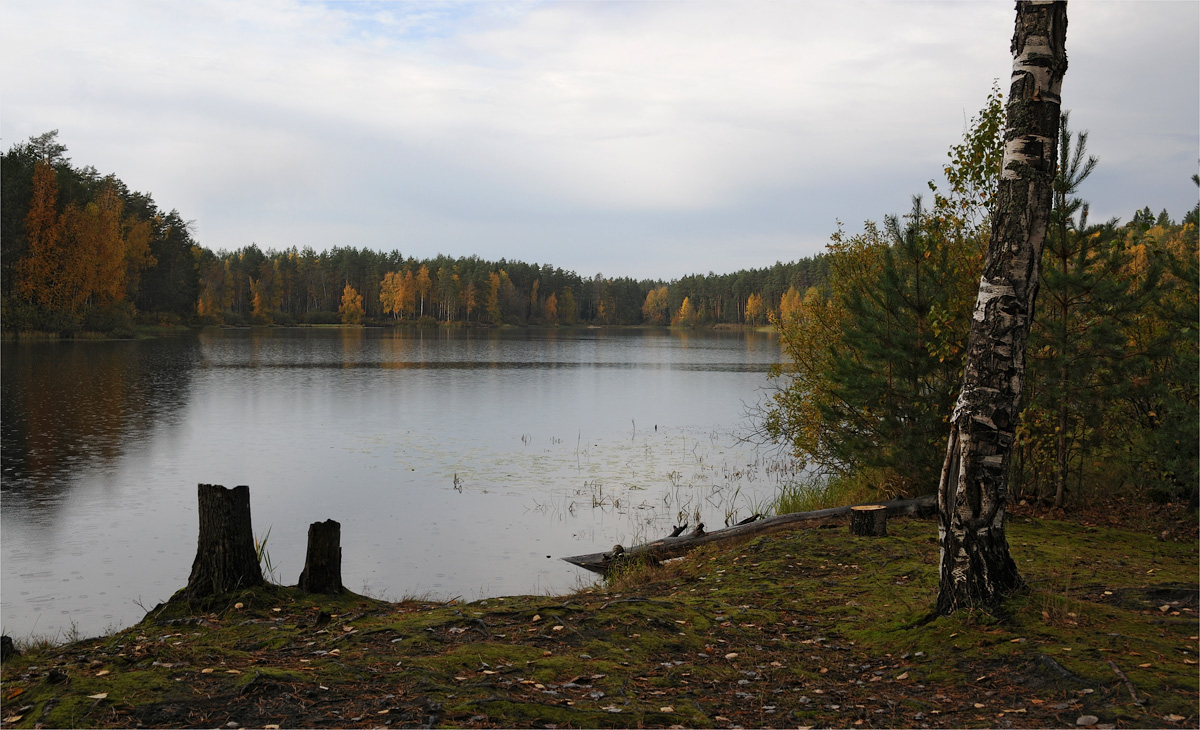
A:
671	547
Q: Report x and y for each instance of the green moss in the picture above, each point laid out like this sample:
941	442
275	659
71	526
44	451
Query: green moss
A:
742	633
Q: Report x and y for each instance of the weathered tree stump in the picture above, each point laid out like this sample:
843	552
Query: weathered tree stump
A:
323	563
225	556
868	520
7	649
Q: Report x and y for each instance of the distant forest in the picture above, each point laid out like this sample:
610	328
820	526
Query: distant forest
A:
83	252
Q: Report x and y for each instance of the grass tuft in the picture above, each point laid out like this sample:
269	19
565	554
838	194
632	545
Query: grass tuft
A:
822	492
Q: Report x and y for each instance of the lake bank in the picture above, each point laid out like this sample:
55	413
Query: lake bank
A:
811	628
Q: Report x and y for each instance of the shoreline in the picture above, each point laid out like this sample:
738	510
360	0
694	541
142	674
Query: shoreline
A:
802	628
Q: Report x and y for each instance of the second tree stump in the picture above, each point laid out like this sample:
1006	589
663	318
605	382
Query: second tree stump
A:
323	563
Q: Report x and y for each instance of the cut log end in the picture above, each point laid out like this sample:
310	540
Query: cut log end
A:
868	520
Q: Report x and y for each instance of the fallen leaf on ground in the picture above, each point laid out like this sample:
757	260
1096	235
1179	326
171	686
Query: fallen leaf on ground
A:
100	696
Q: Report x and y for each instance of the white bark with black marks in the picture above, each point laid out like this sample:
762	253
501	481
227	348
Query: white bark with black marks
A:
976	568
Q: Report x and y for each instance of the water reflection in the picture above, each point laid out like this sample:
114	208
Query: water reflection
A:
71	408
560	443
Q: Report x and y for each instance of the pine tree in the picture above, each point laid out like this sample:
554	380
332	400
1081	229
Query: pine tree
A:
1079	357
890	387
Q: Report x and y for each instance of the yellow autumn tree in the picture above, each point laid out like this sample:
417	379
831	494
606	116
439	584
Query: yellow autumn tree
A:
389	293
88	254
656	308
39	272
259	303
492	303
424	285
755	309
351	309
101	249
686	316
789	304
550	308
408	295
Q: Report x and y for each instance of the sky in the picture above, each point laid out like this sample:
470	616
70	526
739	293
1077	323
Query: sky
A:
646	139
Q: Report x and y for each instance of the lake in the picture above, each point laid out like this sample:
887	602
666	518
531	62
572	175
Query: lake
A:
460	463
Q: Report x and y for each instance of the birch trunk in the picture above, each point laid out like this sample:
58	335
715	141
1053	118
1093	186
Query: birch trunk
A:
976	568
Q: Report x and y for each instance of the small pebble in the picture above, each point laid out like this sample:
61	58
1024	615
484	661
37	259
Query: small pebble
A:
1087	720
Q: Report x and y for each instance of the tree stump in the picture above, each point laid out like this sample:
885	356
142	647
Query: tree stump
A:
323	563
868	520
7	649
225	555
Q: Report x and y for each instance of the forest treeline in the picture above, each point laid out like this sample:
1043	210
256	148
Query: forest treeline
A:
873	329
83	252
875	355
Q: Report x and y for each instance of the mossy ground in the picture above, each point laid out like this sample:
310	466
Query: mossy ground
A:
808	628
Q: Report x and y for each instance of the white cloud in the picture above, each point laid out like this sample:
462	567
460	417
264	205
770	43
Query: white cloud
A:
465	127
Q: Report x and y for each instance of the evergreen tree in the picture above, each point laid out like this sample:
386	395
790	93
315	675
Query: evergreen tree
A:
890	386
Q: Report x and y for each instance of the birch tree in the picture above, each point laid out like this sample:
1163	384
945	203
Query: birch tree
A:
976	567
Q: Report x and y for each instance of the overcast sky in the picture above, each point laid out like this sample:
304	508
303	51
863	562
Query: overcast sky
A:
644	139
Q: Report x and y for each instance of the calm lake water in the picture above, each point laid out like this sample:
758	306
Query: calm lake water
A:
460	463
